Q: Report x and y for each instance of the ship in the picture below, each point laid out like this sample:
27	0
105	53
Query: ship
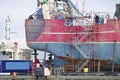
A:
9	50
12	60
61	29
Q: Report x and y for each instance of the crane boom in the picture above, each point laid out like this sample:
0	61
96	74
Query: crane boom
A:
70	2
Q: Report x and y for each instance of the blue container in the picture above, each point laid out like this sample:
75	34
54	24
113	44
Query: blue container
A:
19	66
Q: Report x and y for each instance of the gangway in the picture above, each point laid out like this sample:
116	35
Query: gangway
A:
83	65
85	51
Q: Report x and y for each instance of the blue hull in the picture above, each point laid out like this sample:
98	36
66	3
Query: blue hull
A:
103	51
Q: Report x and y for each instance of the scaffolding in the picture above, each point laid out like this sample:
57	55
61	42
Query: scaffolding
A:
83	50
90	59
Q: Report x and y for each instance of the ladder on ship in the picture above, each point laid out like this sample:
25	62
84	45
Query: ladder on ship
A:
83	50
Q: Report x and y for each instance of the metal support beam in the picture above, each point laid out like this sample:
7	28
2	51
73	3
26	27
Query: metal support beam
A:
113	56
35	56
98	70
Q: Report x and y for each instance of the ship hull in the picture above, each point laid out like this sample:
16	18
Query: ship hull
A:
103	50
99	41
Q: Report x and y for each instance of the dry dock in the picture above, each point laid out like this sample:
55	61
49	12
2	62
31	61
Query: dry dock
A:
59	77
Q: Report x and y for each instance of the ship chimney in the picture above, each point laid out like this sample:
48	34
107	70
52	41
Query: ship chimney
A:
117	12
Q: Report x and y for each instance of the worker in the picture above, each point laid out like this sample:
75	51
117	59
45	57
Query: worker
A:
101	19
13	75
117	14
96	19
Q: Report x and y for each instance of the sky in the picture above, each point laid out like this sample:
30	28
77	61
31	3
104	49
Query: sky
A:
19	10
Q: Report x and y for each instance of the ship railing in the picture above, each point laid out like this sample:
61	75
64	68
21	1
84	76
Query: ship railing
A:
89	22
84	51
84	36
86	33
79	46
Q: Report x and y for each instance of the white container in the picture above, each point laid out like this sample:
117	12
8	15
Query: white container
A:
46	72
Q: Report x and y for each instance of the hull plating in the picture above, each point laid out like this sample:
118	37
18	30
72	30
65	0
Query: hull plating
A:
103	51
56	38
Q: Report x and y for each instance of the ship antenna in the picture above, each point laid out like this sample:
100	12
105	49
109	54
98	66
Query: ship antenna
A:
83	6
7	28
38	3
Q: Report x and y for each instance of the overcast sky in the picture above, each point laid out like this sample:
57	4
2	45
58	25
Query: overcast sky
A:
19	10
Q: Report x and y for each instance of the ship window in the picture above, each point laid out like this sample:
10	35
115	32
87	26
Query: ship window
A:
9	54
4	53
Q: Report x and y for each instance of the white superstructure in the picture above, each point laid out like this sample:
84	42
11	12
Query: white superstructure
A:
8	50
